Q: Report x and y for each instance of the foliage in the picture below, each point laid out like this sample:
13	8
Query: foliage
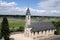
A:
21	28
57	25
5	29
0	35
0	32
16	29
16	23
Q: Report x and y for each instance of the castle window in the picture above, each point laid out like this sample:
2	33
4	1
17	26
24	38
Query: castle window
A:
49	30
38	32
28	17
45	31
41	32
34	33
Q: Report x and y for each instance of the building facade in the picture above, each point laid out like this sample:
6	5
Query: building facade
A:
38	29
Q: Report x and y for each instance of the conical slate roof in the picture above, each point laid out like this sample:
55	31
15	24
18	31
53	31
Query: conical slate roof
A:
28	12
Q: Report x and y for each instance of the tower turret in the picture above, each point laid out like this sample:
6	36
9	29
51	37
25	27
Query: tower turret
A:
28	17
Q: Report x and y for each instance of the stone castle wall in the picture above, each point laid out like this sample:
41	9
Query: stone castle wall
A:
46	33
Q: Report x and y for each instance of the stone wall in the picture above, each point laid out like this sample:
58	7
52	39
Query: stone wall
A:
28	32
42	34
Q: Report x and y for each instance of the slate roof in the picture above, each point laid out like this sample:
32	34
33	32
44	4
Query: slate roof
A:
39	26
28	12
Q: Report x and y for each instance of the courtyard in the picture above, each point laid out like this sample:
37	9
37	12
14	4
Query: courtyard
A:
19	36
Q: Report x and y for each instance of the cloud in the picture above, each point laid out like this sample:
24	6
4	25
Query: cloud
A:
10	8
52	7
37	12
50	4
7	4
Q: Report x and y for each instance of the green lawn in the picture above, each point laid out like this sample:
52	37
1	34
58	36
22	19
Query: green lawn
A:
16	23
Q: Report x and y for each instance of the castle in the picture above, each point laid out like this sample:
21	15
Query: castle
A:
37	29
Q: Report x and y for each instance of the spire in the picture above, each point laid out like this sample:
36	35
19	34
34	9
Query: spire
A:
28	12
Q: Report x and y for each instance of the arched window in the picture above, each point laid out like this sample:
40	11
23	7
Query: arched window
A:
28	17
45	31
34	33
38	32
41	32
49	30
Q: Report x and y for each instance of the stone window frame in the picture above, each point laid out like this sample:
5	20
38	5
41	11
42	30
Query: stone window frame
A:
34	33
49	30
42	32
38	32
45	31
28	17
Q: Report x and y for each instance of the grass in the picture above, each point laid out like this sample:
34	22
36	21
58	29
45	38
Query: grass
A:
15	23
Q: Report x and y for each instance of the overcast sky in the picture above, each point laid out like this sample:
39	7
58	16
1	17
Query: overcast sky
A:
37	7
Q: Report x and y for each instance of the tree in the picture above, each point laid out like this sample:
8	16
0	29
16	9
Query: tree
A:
21	28
57	26
5	29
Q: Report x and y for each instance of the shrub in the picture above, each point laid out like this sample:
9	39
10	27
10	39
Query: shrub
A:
57	25
5	29
21	29
0	35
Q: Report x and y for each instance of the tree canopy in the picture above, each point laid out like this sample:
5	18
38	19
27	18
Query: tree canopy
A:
5	28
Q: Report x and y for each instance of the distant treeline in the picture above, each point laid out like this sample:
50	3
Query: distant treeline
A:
23	16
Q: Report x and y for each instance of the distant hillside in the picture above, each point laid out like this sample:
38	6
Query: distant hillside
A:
31	16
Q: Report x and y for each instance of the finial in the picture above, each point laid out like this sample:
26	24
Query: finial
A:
28	12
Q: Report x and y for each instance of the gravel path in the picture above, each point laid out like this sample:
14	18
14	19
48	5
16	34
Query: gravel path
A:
56	37
19	36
